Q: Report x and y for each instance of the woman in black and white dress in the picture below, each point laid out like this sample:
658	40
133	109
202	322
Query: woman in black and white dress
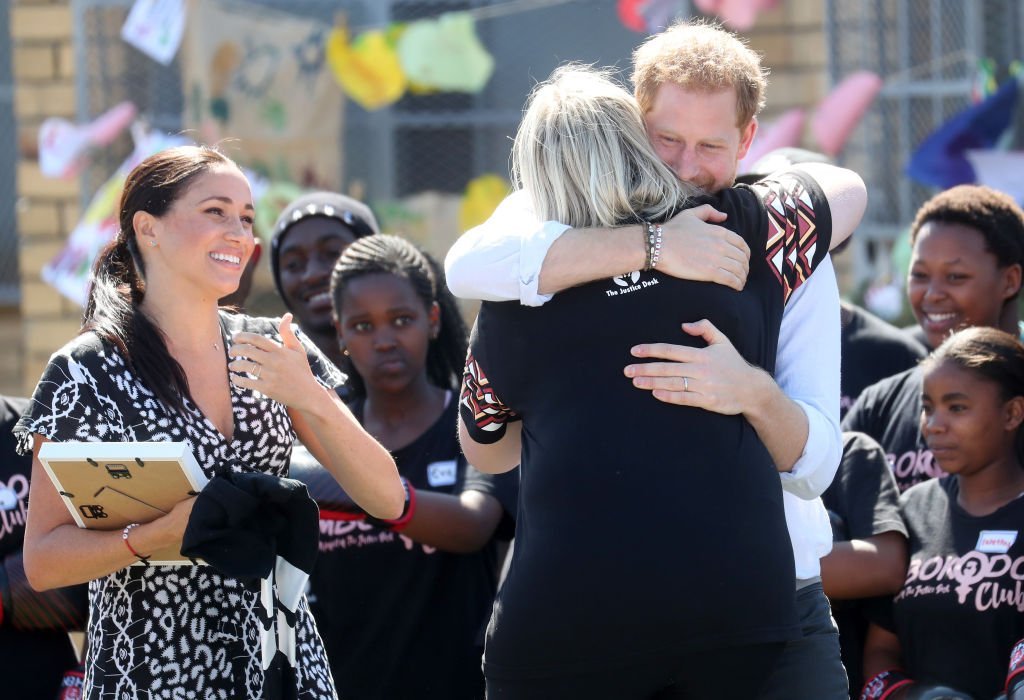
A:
158	361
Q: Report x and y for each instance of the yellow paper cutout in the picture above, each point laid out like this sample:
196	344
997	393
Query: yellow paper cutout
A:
482	197
368	69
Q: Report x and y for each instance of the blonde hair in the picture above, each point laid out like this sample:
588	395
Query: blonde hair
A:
582	155
703	57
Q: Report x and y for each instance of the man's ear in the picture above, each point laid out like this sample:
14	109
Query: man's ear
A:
747	134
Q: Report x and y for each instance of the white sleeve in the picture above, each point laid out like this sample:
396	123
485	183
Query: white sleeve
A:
807	371
500	259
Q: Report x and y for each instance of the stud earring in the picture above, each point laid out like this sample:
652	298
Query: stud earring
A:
152	244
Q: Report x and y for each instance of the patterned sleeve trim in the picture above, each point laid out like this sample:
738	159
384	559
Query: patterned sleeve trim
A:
77	398
485	415
799	227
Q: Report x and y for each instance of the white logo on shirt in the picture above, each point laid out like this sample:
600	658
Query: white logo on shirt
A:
627	279
441	473
996	541
629	282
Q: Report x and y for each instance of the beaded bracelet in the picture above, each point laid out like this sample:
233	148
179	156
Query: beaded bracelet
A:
124	537
653	245
648	245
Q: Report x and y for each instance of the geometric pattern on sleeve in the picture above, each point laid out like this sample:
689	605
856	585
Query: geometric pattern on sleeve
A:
482	411
792	236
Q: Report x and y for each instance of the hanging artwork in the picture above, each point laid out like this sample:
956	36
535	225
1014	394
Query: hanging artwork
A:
445	54
69	270
262	79
366	68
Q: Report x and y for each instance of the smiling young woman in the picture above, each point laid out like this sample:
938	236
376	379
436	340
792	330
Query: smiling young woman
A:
965	270
152	364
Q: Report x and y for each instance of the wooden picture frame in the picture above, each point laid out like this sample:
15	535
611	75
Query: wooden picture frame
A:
108	485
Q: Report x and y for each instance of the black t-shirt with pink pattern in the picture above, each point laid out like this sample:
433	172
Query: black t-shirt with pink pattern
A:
961	608
643	527
890	412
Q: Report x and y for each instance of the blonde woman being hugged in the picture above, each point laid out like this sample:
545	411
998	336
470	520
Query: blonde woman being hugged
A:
156	360
682	585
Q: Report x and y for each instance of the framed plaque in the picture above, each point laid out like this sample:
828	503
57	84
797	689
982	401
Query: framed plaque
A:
107	485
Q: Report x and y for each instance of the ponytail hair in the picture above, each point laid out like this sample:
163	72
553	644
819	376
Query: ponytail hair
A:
392	255
119	273
992	355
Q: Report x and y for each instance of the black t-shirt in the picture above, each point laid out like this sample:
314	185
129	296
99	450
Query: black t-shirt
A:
643	527
862	501
872	350
890	412
961	609
31	662
400	619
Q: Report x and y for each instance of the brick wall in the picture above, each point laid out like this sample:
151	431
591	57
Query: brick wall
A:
43	66
791	39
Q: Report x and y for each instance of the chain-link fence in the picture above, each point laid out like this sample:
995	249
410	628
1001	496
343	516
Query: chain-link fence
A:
928	52
9	284
424	141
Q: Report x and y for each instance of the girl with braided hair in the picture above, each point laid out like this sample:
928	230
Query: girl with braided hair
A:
402	606
158	360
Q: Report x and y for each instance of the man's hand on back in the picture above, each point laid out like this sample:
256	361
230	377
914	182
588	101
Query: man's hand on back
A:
694	248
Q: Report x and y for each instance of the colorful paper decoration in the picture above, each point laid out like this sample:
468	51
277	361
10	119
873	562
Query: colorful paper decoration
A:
445	54
64	147
842	109
367	69
941	159
483	195
69	270
1000	170
262	78
648	16
738	15
155	28
785	131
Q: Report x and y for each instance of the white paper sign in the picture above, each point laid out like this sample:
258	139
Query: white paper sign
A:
996	541
155	28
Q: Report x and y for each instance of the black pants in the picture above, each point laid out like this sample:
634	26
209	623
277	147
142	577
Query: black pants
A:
735	673
810	668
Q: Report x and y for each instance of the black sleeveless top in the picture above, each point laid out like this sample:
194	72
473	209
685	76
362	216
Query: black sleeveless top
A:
643	527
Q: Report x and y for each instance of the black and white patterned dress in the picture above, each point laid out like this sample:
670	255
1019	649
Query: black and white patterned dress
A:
176	631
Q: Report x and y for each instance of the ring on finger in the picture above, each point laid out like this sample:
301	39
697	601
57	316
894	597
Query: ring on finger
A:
686	383
257	370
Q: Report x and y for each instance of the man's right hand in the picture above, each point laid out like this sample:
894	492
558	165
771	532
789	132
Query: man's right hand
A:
694	248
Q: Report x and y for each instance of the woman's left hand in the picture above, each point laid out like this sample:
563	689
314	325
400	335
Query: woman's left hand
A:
278	370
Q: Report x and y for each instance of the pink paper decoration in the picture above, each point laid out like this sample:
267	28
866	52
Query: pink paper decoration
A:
629	15
840	112
738	15
781	133
63	146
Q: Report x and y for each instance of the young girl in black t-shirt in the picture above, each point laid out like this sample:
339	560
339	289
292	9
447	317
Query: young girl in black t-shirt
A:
961	610
401	605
